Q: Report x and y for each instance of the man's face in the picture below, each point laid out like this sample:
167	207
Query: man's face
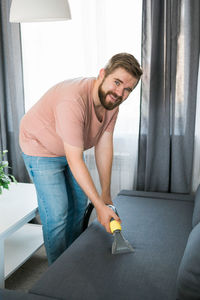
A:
115	88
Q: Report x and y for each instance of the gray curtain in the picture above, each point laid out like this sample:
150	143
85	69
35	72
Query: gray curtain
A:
11	91
170	58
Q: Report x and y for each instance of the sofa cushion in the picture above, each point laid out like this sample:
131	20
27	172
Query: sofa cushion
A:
196	214
17	295
188	282
157	229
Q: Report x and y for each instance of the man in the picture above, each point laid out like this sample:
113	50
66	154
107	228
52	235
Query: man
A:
71	117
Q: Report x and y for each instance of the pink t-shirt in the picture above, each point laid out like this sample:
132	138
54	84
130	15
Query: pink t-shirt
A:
64	114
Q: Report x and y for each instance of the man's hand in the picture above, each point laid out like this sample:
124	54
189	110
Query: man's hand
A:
104	215
106	199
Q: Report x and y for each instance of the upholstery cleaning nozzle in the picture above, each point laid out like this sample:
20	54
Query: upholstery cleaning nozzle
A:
120	244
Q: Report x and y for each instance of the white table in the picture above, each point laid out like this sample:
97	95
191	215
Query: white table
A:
18	239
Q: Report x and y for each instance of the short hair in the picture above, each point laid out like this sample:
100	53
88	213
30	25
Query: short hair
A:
126	61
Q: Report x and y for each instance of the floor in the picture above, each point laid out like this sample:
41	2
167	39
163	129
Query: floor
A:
24	278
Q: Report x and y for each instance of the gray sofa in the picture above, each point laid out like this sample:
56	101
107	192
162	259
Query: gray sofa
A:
164	230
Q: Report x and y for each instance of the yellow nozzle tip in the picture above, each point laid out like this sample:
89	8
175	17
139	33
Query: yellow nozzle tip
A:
115	225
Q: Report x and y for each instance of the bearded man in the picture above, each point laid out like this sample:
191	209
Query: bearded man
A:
70	118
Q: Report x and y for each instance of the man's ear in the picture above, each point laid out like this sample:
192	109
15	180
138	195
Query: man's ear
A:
101	74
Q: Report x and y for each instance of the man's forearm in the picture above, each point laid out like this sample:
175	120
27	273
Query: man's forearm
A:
104	158
80	171
104	166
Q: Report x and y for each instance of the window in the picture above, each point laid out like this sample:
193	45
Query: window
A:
55	51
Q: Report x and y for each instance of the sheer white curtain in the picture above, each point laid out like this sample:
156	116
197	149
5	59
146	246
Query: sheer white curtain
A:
55	51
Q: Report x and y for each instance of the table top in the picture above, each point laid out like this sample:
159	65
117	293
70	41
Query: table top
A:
16	204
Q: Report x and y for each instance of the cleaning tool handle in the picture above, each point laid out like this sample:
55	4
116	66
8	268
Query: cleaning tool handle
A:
114	225
113	208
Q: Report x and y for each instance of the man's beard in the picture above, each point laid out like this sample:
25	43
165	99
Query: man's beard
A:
109	105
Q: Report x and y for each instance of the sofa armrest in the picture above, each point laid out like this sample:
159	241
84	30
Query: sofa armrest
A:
158	195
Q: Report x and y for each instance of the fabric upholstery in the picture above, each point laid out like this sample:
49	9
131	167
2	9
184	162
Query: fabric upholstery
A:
188	282
157	229
16	295
158	195
196	214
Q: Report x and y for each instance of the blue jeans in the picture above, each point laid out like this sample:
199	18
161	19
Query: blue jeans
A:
61	202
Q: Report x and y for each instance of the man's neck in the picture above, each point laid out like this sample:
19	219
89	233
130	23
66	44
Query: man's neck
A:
99	109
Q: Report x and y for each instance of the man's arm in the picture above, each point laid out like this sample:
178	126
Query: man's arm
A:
80	171
104	158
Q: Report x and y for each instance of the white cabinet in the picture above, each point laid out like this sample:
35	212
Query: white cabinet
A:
18	239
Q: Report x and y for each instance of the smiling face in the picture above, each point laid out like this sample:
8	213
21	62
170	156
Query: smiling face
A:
115	88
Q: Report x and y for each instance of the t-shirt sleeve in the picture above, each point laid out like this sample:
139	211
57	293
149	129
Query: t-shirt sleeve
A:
111	125
69	119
